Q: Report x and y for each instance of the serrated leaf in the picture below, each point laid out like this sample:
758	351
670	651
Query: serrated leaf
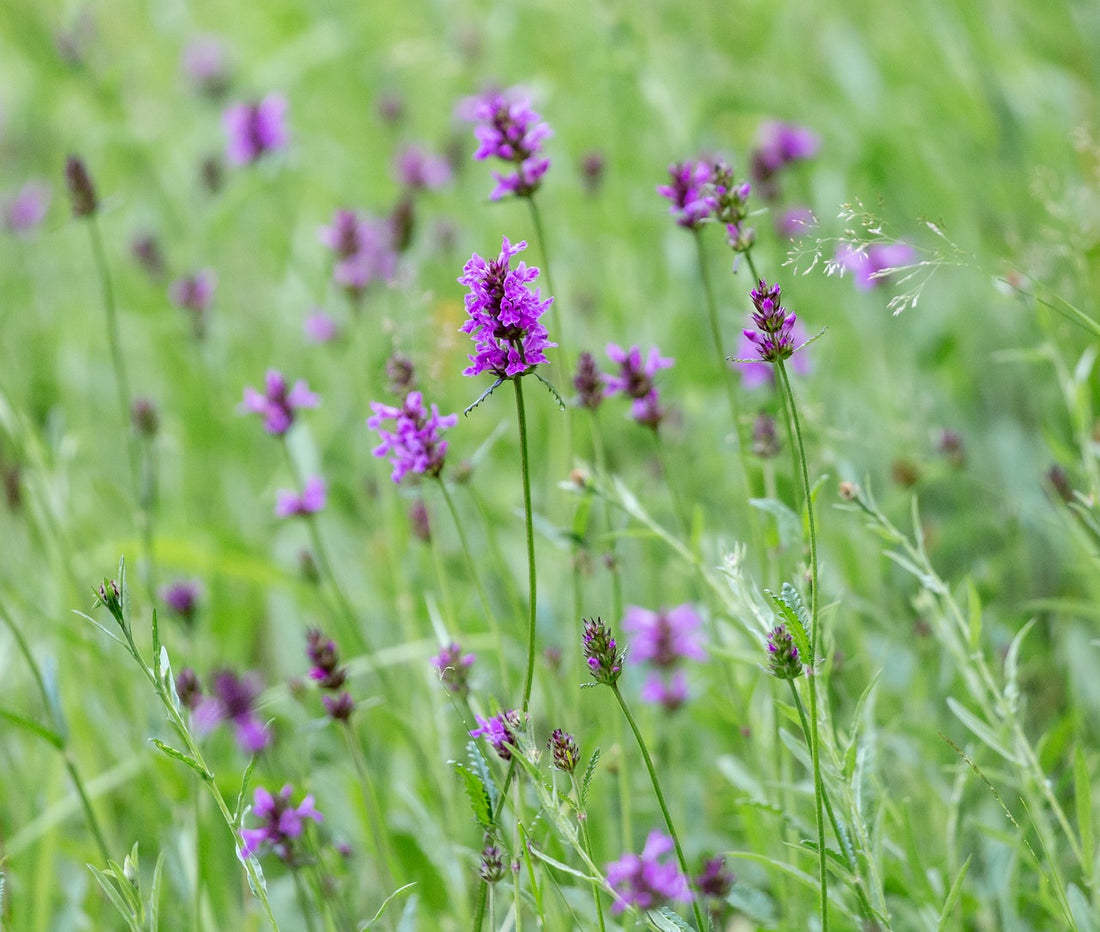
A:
184	759
790	613
586	781
953	895
667	921
980	729
478	794
46	734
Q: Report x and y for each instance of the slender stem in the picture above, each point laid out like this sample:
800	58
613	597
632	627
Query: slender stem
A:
86	803
303	900
536	219
532	594
699	918
716	335
815	639
752	267
586	840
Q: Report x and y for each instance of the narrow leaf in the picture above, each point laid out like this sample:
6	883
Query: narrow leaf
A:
667	921
981	730
589	772
184	759
953	895
46	734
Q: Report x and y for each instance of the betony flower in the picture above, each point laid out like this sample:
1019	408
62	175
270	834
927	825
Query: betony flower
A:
204	63
644	881
234	700
635	378
871	266
182	597
588	382
364	249
192	293
420	170
277	404
670	691
504	314
755	373
690	191
453	667
289	503
414	444
508	129
500	731
322	653
81	189
254	129
491	866
145	248
773	339
715	881
783	656
25	211
601	653
778	145
145	417
282	823
666	637
320	327
400	375
188	688
563	748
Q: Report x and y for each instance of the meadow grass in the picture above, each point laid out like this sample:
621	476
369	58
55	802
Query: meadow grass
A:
912	495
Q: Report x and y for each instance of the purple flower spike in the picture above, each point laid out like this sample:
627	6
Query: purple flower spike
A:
319	327
773	339
601	652
277	405
872	266
414	445
754	374
508	129
234	700
692	196
635	378
289	503
454	667
664	638
254	129
182	597
643	881
504	314
282	823
778	145
500	731
193	292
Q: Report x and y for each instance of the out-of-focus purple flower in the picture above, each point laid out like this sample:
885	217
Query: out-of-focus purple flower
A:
145	417
420	170
364	249
188	688
715	882
491	867
400	375
588	382
499	730
635	378
234	700
773	339
754	374
390	107
592	166
420	522
26	210
145	248
454	667
192	293
182	597
601	652
281	821
82	191
277	405
320	327
508	129
204	63
779	144
254	129
765	441
322	653
504	314
670	691
795	222
644	881
871	267
289	503
666	637
414	444
693	199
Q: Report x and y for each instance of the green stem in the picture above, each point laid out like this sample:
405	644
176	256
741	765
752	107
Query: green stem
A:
716	336
303	901
532	594
815	639
699	918
563	357
586	841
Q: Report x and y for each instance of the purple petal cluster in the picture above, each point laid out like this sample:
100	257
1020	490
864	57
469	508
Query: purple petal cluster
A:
588	382
693	199
508	129
564	751
419	170
289	503
601	652
320	327
871	267
500	731
414	444
193	294
282	823
363	247
773	339
644	881
329	675
205	64
454	667
254	129
665	639
755	373
668	690
233	699
278	403
783	656
636	380
504	314
778	145
182	597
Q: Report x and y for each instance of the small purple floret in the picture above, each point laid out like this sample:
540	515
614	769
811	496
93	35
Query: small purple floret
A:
289	503
282	823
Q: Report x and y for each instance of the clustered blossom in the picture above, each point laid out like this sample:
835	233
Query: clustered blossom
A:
188	688
254	129
204	63
454	667
414	444
277	404
282	823
504	314
289	503
664	639
563	748
690	191
783	655
773	339
588	382
755	372
193	293
491	866
871	267
644	881
715	881
779	144
400	375
508	129
635	379
363	247
182	597
601	653
234	700
500	731
329	675
23	212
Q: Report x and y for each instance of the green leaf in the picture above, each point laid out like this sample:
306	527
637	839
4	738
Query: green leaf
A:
120	893
478	793
385	903
667	921
789	604
157	658
238	811
787	523
953	895
154	894
1080	909
184	759
981	730
586	782
46	734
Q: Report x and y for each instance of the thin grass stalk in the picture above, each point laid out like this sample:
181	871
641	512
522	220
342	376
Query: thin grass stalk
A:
528	517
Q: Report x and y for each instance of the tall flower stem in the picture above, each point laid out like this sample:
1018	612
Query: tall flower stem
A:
586	840
532	591
815	640
699	918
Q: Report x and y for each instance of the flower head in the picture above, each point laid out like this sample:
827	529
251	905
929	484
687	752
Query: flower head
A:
715	881
281	822
644	881
414	444
233	699
204	63
192	293
756	372
563	747
508	129
872	266
319	327
491	867
188	688
322	653
182	597
773	338
81	188
668	691
25	211
419	170
783	655
364	249
504	314
500	731
601	653
277	404
254	129
289	503
693	200
778	145
635	378
454	667
666	637
588	382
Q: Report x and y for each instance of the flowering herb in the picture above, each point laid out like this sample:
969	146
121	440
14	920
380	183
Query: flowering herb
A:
414	445
601	653
363	247
289	503
644	880
282	823
182	598
509	130
690	192
277	404
454	667
783	657
233	699
563	748
500	731
255	129
666	637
